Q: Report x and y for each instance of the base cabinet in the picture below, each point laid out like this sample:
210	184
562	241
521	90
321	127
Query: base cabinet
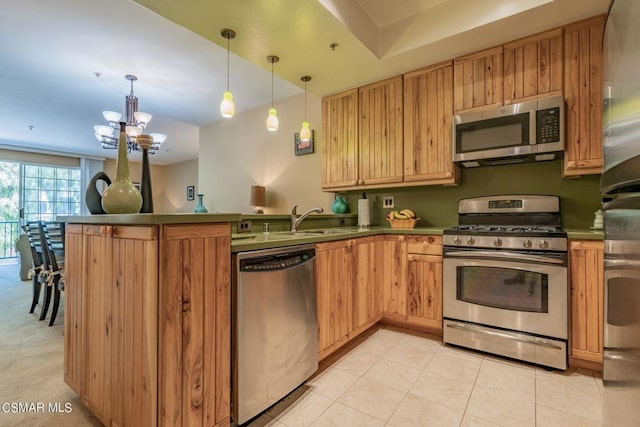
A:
333	271
586	264
137	302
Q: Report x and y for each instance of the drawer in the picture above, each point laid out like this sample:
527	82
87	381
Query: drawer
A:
424	245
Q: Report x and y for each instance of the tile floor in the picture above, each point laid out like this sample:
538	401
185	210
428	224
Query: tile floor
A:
396	378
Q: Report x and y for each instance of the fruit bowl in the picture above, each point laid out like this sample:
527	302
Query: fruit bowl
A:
403	223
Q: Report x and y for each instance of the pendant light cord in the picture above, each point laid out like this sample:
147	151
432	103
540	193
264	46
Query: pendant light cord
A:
227	64
305	101
272	83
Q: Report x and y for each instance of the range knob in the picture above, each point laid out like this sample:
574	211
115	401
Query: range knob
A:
527	243
497	242
543	244
457	240
470	241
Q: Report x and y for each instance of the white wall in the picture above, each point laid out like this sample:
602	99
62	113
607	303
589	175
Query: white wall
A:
240	152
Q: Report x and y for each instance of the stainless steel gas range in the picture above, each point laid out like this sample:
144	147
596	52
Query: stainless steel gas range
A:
505	279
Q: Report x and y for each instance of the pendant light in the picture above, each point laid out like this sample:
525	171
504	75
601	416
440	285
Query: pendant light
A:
272	118
305	132
227	107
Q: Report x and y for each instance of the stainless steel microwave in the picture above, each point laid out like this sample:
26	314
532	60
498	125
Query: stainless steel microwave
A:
516	133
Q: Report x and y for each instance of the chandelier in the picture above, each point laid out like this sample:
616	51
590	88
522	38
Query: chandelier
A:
136	121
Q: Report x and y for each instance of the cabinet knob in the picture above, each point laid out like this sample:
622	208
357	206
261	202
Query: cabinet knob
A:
355	182
361	182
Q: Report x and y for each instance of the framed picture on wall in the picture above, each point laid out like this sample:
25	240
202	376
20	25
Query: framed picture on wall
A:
302	147
191	192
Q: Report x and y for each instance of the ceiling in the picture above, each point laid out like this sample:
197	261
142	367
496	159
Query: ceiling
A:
68	58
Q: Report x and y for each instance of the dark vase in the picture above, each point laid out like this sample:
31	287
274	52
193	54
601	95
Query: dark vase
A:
92	196
145	184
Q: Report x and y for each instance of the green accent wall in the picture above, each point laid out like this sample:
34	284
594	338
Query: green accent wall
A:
438	205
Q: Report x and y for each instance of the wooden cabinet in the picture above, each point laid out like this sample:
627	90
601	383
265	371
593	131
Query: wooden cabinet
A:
391	258
424	281
533	67
333	275
147	322
380	132
478	80
340	140
586	277
111	322
583	95
362	136
365	305
428	112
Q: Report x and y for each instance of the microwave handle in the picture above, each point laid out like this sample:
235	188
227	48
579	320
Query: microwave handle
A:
509	256
533	127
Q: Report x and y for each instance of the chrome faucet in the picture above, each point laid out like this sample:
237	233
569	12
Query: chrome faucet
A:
295	221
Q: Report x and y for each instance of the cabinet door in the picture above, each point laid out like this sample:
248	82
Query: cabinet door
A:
391	257
478	80
587	280
134	325
380	132
98	348
334	271
424	290
364	295
340	140
195	325
74	311
428	111
533	66
583	94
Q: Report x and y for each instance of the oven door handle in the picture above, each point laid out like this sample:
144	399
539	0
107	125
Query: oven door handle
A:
510	256
503	334
622	263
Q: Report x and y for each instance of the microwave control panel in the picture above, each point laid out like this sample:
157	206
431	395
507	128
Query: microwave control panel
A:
548	125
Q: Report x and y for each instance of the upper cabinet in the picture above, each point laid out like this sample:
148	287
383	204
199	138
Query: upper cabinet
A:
340	140
478	79
380	132
428	111
533	67
362	136
583	95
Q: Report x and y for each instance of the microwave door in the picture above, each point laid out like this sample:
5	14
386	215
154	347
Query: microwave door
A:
494	137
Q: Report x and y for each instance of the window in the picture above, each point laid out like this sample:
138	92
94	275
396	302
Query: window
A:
49	191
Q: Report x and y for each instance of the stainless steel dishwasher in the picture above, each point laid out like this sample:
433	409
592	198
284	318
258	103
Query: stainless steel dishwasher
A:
275	327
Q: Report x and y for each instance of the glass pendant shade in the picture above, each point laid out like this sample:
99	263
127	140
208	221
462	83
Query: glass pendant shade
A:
305	132
158	138
142	118
227	107
272	120
111	116
103	130
133	131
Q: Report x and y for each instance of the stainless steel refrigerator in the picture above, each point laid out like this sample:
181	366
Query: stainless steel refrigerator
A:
620	188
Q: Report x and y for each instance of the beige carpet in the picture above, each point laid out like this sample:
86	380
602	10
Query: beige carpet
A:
31	362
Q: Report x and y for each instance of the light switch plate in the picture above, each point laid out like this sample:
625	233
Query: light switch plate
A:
388	202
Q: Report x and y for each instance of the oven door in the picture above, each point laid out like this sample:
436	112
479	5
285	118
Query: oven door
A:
525	292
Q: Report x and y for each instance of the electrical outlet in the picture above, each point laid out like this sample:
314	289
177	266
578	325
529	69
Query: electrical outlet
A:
244	226
388	202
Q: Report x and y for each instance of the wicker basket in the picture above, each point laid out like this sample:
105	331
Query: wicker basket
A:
403	223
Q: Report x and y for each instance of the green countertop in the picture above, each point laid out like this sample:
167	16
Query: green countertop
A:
584	234
254	241
150	219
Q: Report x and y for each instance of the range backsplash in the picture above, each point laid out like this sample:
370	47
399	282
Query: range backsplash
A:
438	205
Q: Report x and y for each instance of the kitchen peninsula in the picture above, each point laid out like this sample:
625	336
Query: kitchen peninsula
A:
147	317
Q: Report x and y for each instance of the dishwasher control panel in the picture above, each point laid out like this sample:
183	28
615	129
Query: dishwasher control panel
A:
277	261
